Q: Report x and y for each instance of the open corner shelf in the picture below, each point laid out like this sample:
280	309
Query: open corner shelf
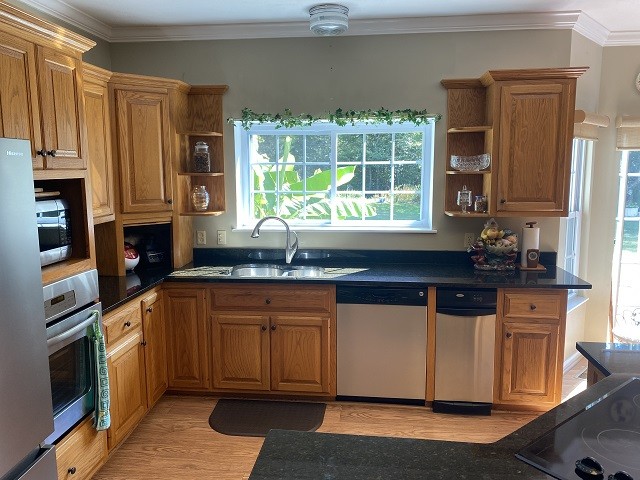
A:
458	213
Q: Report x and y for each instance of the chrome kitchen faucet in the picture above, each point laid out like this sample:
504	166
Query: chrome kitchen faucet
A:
290	249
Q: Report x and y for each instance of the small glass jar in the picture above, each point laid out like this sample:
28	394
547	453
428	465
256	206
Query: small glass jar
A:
464	198
201	158
480	204
200	198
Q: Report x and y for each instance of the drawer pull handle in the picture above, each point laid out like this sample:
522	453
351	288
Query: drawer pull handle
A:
273	327
532	306
503	200
42	153
267	301
150	309
72	470
264	328
51	153
169	201
144	343
509	334
127	323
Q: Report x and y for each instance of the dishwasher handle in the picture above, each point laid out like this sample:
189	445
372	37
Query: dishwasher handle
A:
466	312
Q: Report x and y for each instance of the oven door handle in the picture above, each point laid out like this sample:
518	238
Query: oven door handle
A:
73	331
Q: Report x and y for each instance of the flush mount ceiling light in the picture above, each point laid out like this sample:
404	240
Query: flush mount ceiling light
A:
328	19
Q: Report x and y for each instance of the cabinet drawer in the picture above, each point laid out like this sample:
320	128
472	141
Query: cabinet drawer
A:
538	305
121	322
266	298
81	452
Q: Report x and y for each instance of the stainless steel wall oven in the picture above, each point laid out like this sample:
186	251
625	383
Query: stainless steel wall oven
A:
71	307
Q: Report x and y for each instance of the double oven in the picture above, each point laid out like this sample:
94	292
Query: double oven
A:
71	308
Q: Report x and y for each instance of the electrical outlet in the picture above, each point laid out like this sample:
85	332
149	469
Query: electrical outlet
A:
469	240
201	237
222	237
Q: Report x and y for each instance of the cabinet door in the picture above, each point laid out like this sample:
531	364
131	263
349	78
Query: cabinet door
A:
127	386
96	101
535	146
529	372
155	349
300	353
187	339
241	351
144	151
62	109
19	113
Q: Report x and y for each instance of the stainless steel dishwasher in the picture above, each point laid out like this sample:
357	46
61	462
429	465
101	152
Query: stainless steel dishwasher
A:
465	341
382	344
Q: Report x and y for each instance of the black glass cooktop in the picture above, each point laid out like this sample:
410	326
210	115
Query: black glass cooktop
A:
600	442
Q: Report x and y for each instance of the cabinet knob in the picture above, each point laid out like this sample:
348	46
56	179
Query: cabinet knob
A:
169	201
143	343
264	328
509	334
150	309
72	470
51	153
503	200
267	301
127	323
273	327
532	306
42	153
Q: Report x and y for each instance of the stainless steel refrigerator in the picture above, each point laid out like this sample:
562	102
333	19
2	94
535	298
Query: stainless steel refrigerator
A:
26	413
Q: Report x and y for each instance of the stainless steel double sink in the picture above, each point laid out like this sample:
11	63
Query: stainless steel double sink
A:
274	271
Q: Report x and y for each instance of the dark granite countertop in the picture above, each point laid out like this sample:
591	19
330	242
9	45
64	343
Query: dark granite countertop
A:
342	267
610	358
311	455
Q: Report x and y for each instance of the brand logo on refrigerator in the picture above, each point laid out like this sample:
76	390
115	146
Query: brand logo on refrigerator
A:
14	154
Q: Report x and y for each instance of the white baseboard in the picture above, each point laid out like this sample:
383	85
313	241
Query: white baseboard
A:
571	362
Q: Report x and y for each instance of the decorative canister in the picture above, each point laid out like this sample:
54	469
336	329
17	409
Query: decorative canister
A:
200	198
480	204
201	158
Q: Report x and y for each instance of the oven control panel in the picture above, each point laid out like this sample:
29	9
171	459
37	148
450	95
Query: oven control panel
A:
59	303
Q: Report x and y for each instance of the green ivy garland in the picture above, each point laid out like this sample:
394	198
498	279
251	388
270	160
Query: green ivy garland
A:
340	117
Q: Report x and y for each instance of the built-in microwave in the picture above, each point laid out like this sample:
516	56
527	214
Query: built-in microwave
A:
54	230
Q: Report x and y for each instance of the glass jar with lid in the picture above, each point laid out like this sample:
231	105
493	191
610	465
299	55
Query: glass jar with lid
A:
201	158
200	198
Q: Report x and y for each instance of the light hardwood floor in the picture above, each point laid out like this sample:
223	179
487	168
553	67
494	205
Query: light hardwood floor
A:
175	441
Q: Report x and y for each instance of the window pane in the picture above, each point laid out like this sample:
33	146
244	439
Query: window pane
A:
634	162
264	204
318	207
350	148
408	146
377	177
382	206
407	176
318	178
571	237
630	236
406	206
319	148
379	147
263	148
349	207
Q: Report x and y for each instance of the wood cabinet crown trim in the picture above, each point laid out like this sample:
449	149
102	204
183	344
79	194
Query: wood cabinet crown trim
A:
145	81
492	76
16	18
95	74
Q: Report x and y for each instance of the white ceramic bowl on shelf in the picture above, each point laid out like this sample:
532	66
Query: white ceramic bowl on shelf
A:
471	163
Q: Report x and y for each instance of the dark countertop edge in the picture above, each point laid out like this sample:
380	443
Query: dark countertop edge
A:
482	459
113	293
612	367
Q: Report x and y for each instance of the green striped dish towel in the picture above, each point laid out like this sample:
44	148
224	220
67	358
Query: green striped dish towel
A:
102	419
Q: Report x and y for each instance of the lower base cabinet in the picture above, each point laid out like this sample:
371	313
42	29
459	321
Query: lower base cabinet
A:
81	452
529	348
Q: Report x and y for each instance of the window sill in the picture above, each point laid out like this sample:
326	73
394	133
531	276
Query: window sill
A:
574	301
334	229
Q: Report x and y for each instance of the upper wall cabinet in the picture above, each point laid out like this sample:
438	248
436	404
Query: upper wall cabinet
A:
96	101
41	89
524	120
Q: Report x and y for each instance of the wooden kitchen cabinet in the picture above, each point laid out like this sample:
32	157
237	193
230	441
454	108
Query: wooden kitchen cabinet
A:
125	361
529	348
188	358
524	120
96	101
81	452
274	338
143	149
41	89
154	343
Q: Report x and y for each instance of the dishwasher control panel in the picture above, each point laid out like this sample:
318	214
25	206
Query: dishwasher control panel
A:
381	295
466	298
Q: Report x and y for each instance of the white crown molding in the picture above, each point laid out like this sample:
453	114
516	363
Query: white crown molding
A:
65	12
575	20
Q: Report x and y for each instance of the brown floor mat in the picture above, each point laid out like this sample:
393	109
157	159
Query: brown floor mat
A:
254	418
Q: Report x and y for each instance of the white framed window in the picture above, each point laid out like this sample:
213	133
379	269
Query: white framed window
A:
353	177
